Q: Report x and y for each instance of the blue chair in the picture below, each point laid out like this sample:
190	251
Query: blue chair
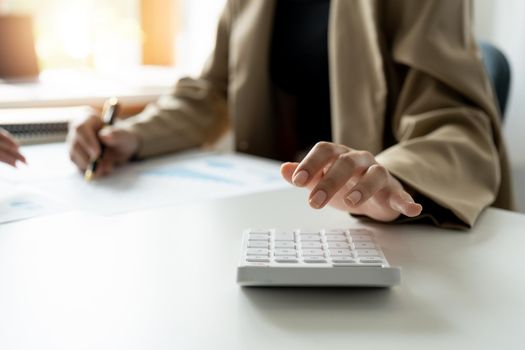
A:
498	69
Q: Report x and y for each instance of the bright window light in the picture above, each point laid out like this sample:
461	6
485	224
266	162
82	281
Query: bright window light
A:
97	34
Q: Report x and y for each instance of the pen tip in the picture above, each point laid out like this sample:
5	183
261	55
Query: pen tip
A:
88	175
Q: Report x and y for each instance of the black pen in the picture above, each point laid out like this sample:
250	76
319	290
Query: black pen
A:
109	113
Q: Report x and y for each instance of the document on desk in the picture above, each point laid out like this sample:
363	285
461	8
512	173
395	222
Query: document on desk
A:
166	181
19	203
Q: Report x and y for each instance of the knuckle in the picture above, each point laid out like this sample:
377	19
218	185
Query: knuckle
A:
348	158
324	146
365	155
329	184
379	171
76	149
79	128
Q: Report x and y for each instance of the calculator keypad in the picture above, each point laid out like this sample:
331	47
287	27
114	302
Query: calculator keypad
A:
338	247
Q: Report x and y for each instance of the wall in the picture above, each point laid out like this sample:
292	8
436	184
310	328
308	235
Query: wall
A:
503	23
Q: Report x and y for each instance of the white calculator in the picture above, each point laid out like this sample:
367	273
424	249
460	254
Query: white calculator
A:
315	258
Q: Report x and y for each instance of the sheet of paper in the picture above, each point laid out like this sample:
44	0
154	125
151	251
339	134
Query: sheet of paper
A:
19	203
166	181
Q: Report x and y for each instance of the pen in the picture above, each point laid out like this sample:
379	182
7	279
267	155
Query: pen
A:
109	113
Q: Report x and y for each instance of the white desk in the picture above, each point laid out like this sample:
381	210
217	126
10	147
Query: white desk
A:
165	279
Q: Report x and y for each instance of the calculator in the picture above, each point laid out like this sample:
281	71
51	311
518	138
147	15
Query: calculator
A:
314	258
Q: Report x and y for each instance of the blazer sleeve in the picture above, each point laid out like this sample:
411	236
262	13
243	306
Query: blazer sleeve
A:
194	113
449	148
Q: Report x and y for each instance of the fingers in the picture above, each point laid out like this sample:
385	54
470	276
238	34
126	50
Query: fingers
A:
347	166
403	203
12	153
85	143
79	156
373	180
105	167
109	161
7	158
124	143
82	139
350	180
319	157
7	140
378	182
109	136
9	149
287	170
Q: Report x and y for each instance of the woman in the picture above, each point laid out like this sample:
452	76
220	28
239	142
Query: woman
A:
394	90
9	149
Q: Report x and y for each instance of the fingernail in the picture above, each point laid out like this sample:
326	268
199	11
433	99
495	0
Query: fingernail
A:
300	178
318	199
399	208
355	197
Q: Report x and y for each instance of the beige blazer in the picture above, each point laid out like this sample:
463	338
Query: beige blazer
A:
406	84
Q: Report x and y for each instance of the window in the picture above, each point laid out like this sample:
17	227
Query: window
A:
84	33
105	34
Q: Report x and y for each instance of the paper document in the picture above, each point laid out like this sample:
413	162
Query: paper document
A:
166	181
18	202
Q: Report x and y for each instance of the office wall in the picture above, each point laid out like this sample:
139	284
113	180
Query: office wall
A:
503	23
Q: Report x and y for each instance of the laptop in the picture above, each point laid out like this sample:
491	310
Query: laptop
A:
18	60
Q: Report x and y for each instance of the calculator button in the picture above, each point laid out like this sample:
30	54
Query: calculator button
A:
311	252
335	232
257	258
257	251
370	264
258	237
337	245
367	252
286	259
336	238
284	244
306	245
310	237
284	252
260	232
361	238
340	252
258	244
359	231
371	260
314	259
309	232
344	259
284	236
364	245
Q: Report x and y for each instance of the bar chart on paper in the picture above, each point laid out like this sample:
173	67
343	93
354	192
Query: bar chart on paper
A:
166	181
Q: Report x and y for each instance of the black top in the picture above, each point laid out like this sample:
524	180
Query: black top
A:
299	72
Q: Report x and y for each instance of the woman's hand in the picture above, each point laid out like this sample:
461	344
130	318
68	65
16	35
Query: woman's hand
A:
84	140
9	149
350	180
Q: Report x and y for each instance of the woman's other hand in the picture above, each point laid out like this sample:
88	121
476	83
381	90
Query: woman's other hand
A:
9	149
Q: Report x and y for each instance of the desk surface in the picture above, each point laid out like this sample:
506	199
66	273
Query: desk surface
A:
165	279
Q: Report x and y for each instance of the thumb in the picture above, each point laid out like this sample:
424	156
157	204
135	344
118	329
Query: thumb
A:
111	136
403	203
